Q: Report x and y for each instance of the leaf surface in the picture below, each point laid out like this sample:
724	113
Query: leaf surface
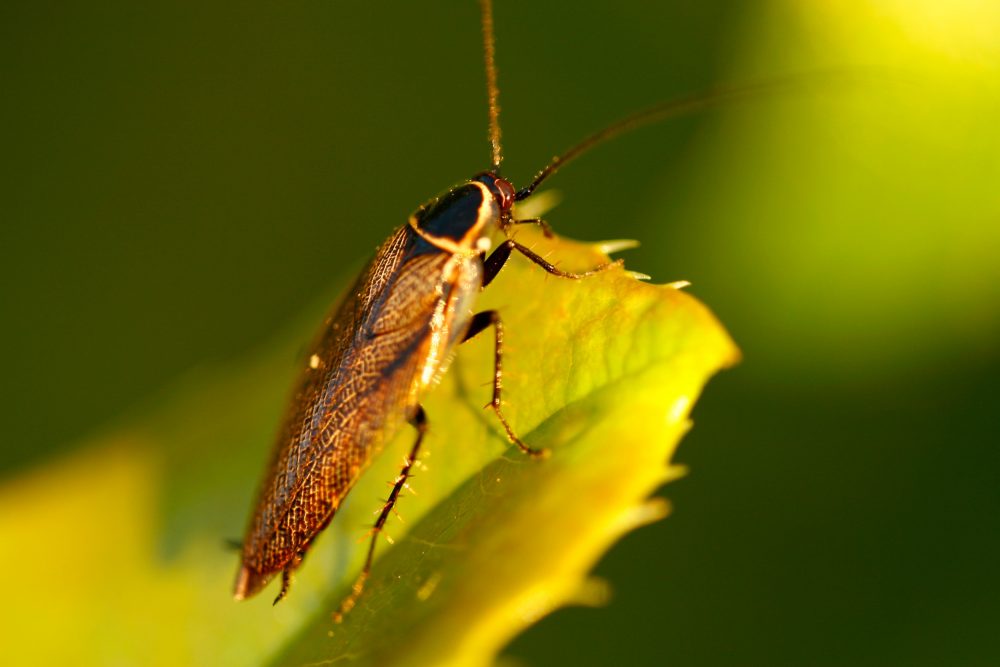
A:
125	535
601	371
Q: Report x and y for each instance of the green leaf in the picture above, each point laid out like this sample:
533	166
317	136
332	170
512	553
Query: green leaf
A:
602	371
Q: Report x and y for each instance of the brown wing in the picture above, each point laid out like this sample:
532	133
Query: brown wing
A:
353	394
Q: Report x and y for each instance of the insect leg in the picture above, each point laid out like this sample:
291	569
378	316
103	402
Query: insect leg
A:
286	576
286	581
479	322
491	267
537	259
544	226
499	257
419	420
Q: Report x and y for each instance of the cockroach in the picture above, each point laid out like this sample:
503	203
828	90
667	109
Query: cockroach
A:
391	338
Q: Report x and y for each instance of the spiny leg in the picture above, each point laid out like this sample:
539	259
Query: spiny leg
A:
419	421
544	226
499	257
479	322
286	581
286	576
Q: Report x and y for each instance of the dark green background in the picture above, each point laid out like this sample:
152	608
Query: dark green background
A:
180	180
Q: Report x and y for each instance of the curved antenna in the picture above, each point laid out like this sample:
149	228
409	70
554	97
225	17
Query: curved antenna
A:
492	91
664	111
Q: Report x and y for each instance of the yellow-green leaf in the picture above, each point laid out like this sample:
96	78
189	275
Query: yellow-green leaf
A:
120	545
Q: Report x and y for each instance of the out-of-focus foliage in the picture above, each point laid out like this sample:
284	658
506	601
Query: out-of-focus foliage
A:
867	214
182	180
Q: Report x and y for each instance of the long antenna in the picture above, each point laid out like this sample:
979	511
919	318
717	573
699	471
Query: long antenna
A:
673	109
492	91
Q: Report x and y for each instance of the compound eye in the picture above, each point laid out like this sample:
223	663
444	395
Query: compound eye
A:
505	194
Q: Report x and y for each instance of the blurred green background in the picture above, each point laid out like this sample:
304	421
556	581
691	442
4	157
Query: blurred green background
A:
182	181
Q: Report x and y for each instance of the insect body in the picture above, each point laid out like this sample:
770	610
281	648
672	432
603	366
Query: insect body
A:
389	340
392	337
